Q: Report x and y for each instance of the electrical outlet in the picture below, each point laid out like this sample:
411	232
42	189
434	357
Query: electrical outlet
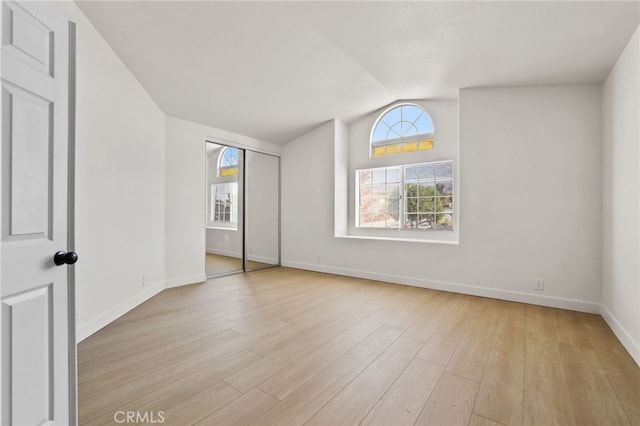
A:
143	281
318	258
539	284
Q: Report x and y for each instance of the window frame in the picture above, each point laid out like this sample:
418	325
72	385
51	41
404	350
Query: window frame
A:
232	204
428	139
231	185
234	167
402	207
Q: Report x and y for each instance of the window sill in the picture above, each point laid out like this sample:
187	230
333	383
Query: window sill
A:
404	239
222	228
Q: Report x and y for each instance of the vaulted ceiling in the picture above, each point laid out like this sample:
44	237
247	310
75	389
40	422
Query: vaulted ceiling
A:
274	70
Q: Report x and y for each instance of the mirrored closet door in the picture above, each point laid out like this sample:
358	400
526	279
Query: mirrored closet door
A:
262	201
242	210
224	210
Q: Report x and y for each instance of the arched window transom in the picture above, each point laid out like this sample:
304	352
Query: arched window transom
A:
403	128
228	162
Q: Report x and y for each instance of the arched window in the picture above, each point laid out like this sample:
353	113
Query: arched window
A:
228	162
403	128
223	199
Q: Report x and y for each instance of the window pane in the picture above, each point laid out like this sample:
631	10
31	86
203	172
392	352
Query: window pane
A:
444	170
393	220
393	205
365	205
380	132
409	146
364	176
394	149
445	220
445	187
410	113
426	205
425	221
395	131
379	151
425	171
411	222
392	117
408	129
412	205
365	191
426	188
379	175
375	207
365	220
446	203
411	173
425	145
411	190
425	124
379	189
393	175
393	190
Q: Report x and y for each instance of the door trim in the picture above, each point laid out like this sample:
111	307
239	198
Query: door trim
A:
71	230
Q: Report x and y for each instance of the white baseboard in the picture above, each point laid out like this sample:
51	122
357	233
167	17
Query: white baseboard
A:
630	344
513	296
86	329
223	252
263	259
180	281
255	258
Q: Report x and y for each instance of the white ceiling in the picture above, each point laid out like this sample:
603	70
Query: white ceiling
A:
274	70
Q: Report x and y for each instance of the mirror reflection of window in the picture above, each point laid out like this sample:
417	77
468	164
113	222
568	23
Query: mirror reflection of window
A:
224	248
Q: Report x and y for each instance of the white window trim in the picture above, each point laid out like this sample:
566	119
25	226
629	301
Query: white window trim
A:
217	224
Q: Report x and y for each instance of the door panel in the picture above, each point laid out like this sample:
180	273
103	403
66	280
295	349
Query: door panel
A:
27	167
225	217
34	172
27	319
263	210
27	37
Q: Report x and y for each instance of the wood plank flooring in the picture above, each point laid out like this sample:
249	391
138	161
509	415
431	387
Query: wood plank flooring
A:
289	347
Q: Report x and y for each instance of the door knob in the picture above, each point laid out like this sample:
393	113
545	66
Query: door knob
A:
62	257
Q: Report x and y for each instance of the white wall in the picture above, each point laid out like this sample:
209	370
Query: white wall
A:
225	242
528	206
185	196
120	184
621	198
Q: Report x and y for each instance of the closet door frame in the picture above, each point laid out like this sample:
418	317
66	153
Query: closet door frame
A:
245	201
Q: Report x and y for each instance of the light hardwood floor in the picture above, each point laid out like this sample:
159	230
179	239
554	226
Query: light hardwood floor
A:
290	347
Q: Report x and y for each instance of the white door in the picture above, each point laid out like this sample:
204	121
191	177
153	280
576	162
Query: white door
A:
36	343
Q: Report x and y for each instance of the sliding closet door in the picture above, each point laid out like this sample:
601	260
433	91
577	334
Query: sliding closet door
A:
262	204
224	210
